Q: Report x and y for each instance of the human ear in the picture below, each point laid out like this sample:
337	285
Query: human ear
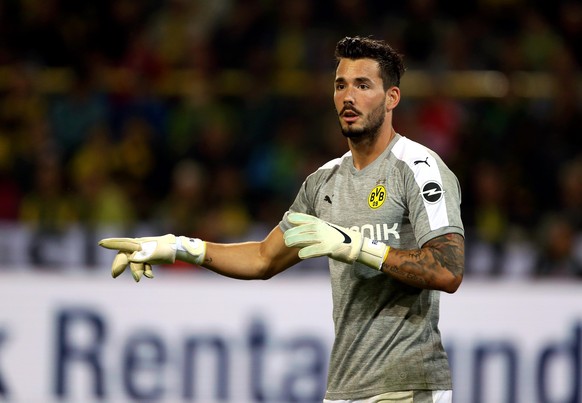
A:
392	98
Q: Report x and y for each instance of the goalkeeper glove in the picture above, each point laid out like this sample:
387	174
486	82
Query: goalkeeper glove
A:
316	238
141	253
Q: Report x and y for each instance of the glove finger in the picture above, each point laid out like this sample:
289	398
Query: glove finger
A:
302	235
300	218
124	244
300	240
119	264
148	270
312	251
137	270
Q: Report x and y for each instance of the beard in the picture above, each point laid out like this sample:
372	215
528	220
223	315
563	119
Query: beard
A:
370	127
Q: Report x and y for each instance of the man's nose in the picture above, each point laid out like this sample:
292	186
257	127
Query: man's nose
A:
349	97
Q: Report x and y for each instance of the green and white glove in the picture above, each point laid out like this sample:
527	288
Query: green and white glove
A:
141	253
317	237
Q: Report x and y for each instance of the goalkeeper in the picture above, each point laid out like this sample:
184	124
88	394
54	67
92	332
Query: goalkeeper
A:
387	214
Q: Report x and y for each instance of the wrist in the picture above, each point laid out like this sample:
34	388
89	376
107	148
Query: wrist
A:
190	250
373	253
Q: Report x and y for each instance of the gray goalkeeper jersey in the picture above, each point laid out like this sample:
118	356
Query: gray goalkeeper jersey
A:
386	332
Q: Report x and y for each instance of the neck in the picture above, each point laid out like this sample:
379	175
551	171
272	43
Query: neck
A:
365	150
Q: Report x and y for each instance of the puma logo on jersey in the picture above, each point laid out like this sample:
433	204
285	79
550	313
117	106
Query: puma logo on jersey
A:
424	161
327	199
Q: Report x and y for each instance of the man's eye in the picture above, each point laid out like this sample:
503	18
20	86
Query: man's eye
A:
364	86
339	86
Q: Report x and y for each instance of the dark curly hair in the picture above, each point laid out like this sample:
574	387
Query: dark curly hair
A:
391	64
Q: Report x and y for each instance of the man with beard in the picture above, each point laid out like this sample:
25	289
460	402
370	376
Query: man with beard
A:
387	214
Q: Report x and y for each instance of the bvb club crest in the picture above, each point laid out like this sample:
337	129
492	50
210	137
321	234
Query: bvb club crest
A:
377	197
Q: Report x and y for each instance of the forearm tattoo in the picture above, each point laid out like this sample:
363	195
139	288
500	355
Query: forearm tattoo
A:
425	267
449	252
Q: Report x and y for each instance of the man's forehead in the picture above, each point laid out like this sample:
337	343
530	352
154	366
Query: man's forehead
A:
349	69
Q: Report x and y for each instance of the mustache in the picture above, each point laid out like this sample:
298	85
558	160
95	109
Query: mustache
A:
349	108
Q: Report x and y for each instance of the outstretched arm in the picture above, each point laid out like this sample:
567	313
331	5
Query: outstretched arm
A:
247	260
438	265
251	260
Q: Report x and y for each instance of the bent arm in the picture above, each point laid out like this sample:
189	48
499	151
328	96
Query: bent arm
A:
251	260
438	265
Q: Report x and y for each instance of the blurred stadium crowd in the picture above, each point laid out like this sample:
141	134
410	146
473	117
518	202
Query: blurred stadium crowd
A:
203	117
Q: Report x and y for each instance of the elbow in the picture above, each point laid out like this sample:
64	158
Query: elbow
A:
264	269
265	275
452	284
452	277
266	272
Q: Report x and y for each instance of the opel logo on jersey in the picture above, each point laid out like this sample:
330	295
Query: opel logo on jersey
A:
432	192
377	197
